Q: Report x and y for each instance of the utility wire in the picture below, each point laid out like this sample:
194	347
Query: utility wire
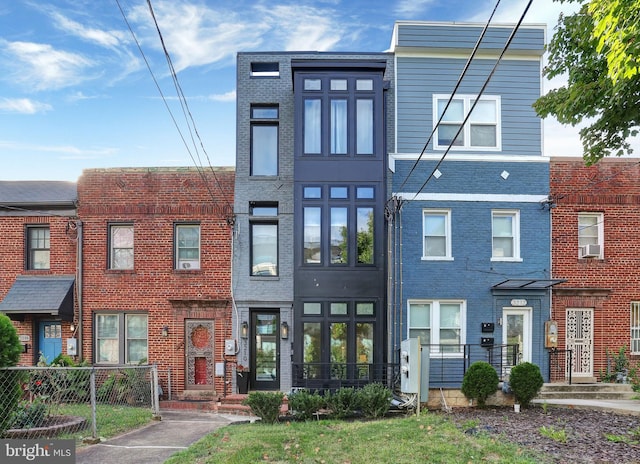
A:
455	89
484	86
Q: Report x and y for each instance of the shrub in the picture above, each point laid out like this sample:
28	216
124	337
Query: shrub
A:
10	390
265	405
374	400
480	382
525	381
29	415
305	404
343	403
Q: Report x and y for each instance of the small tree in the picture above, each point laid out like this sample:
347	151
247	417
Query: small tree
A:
525	381
480	382
10	391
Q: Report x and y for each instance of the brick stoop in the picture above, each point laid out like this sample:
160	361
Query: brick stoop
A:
184	405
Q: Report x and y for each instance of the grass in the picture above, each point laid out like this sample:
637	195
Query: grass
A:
111	420
559	435
429	438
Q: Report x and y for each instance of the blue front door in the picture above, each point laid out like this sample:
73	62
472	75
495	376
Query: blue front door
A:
50	337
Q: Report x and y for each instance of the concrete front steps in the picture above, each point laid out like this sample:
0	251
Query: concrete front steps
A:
230	404
586	391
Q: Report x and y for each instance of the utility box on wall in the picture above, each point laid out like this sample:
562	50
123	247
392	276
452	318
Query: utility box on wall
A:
410	365
551	334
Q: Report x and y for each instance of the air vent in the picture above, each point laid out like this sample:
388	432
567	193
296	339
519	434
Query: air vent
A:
589	251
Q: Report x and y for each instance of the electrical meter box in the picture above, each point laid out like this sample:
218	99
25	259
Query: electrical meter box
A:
410	365
230	347
72	347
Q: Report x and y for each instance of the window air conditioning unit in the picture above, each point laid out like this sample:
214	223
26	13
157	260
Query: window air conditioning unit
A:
189	264
589	251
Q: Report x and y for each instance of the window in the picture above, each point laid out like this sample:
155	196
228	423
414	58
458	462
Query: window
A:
264	239
590	235
439	324
121	246
187	243
339	230
505	235
437	234
265	69
264	140
482	129
38	247
635	327
344	106
121	338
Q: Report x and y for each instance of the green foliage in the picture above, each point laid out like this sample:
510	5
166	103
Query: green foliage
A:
10	346
374	400
559	435
480	382
127	386
525	381
343	403
29	414
580	49
305	404
617	367
265	405
631	437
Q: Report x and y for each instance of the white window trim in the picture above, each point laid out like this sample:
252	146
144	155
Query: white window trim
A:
600	228
434	316
467	127
447	214
635	307
516	234
187	264
122	337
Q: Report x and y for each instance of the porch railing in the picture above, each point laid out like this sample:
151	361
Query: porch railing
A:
447	366
560	365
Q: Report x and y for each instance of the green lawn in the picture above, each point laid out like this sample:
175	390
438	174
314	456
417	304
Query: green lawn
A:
428	438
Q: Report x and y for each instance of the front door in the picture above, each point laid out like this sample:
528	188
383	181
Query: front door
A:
199	354
265	351
580	341
50	340
516	330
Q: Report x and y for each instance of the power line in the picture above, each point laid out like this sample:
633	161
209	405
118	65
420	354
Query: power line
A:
455	89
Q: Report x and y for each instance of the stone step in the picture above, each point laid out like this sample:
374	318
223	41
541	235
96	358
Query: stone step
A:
596	391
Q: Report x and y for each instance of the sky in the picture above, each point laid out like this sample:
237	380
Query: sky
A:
82	87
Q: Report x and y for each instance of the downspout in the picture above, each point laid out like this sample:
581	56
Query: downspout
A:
79	287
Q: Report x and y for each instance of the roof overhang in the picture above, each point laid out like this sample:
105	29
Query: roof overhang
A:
40	295
527	284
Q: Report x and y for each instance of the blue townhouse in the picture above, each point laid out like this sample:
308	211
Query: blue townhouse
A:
469	253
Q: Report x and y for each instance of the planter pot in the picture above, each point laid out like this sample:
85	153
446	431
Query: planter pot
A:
516	407
242	382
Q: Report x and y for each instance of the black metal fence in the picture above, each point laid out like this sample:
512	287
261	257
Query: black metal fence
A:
560	365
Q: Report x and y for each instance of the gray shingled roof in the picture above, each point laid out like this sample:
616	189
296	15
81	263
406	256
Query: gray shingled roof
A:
40	295
31	192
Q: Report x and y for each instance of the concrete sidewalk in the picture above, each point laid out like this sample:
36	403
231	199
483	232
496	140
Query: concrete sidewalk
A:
156	442
631	407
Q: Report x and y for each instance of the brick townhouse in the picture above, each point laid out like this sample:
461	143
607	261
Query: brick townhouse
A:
596	249
38	243
156	272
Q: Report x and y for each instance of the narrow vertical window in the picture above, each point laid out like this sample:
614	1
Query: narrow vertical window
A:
121	246
312	126
38	248
365	236
338	127
635	327
312	345
436	225
505	231
364	123
136	338
338	350
312	235
187	246
264	140
339	236
107	339
264	249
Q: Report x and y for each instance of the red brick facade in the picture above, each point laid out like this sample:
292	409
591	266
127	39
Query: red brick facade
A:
13	229
604	286
154	200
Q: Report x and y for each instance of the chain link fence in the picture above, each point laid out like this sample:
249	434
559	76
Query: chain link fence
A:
85	403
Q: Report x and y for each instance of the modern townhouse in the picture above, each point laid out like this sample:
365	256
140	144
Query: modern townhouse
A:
309	267
38	280
470	238
595	248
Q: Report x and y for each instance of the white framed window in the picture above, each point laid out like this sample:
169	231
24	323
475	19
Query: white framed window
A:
635	327
436	233
439	324
505	235
187	243
590	235
121	246
483	129
121	338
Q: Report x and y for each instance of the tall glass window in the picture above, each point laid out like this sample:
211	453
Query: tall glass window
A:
338	127
312	126
264	140
187	246
339	236
39	247
121	246
364	122
365	236
264	249
312	235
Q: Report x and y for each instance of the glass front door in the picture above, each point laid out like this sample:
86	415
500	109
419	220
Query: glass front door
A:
265	349
516	330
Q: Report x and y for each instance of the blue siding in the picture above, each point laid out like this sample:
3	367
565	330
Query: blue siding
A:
451	36
517	83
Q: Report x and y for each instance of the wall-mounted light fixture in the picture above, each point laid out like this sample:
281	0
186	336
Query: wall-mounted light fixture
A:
165	331
244	330
549	203
72	327
284	330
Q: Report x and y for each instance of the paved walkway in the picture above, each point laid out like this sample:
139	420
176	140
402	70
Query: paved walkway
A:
156	442
631	407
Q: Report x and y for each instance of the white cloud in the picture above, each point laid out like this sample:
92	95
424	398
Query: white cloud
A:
224	97
410	8
41	67
66	151
23	106
103	38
